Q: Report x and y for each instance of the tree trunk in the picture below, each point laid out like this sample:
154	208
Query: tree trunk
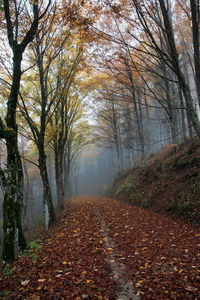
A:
148	128
59	178
26	194
183	127
13	198
196	45
67	172
131	157
8	253
48	208
118	157
177	69
138	112
68	186
189	103
141	131
18	205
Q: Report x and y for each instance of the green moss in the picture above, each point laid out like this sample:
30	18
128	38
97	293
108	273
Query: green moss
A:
126	185
21	238
5	293
7	271
33	248
8	253
183	161
187	206
149	201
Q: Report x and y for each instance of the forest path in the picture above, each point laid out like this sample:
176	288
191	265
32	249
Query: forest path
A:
105	249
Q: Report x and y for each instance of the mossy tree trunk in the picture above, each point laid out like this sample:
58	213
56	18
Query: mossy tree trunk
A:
13	197
13	203
18	206
59	177
67	170
49	212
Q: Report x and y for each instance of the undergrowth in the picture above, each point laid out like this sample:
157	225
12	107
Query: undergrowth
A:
33	248
125	186
171	184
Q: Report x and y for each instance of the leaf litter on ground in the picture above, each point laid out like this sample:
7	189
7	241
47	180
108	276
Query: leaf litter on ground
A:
159	256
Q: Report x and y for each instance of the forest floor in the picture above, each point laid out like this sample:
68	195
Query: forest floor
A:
106	249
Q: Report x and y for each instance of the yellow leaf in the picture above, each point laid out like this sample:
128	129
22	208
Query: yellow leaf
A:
84	272
93	286
181	270
64	262
39	288
144	248
138	284
140	281
79	281
88	281
140	293
101	242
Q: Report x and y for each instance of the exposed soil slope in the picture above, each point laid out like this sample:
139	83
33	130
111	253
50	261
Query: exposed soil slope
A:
172	184
106	249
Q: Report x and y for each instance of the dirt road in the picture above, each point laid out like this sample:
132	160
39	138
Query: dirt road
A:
105	249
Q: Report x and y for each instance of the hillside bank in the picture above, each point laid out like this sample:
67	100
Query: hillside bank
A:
171	185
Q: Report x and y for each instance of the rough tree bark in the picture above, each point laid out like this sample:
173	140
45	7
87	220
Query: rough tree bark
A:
49	212
13	197
177	69
59	176
196	42
136	110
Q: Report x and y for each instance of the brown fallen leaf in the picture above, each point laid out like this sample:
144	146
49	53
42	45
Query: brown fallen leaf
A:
190	288
41	280
34	297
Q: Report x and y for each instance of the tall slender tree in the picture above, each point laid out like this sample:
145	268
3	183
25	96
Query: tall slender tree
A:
13	197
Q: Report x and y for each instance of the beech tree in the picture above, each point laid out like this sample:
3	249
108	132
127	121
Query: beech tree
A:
38	96
13	197
155	18
66	111
144	33
195	13
56	54
108	120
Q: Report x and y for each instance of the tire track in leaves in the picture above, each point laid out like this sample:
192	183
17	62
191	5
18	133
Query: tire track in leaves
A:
124	288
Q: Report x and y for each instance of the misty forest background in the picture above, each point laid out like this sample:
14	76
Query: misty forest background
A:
102	85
